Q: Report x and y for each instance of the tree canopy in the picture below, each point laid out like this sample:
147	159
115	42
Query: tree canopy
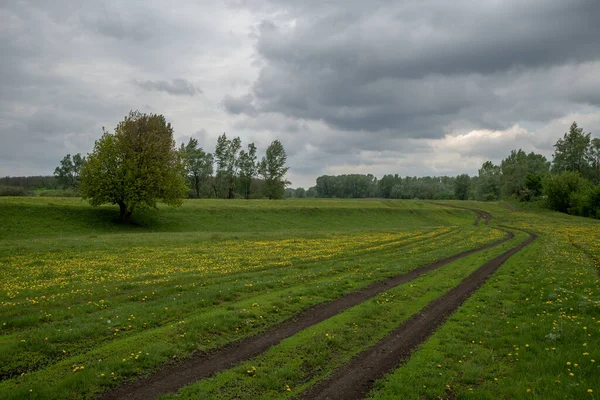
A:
461	187
135	167
517	167
571	152
226	158
68	172
273	170
248	168
198	165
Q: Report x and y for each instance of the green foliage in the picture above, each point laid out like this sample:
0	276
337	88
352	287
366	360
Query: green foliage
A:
248	168
533	187
273	170
489	182
226	157
594	158
559	188
515	170
461	187
69	171
575	189
389	186
386	186
571	152
346	186
13	191
198	166
585	202
135	167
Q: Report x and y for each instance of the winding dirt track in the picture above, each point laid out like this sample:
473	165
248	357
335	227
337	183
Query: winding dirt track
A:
174	376
355	379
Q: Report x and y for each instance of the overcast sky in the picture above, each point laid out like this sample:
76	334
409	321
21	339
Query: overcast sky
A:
414	87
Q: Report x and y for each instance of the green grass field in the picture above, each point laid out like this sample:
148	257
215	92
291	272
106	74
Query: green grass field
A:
88	303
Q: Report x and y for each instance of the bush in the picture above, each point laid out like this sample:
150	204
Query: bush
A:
586	201
57	193
559	188
573	194
13	191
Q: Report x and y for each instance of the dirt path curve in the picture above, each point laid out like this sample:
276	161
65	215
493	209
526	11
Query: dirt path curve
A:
355	379
172	377
481	215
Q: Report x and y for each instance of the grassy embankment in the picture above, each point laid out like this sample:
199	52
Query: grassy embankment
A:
87	302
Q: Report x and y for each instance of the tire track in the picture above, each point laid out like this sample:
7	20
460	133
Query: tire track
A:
355	379
172	377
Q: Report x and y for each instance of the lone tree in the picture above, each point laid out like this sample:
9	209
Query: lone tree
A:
69	170
272	168
135	167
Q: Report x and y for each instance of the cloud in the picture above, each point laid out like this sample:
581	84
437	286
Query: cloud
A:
239	105
177	87
414	67
386	86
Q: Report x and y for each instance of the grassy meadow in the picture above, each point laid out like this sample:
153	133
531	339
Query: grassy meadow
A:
88	303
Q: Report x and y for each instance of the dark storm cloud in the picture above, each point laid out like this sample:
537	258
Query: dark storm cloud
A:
414	66
239	105
381	86
67	69
177	87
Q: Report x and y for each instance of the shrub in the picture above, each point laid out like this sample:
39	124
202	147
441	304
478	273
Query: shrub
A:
13	191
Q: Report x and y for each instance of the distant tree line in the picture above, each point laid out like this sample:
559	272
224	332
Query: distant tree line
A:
359	186
29	185
30	182
570	183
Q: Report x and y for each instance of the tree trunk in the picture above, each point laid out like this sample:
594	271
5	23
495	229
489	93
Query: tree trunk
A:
125	215
197	184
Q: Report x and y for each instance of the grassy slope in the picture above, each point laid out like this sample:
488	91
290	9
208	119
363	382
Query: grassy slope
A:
551	287
68	268
26	218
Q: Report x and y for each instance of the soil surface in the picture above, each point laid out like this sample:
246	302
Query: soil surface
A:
482	215
355	379
202	365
